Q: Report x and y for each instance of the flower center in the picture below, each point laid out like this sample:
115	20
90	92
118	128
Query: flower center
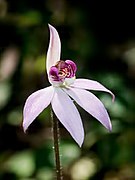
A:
63	73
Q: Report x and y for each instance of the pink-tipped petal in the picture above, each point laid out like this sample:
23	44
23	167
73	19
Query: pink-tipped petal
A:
91	104
91	85
54	50
35	104
68	115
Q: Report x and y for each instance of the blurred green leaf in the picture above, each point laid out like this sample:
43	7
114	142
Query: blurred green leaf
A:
22	164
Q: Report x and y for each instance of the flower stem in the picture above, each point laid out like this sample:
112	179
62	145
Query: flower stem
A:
56	135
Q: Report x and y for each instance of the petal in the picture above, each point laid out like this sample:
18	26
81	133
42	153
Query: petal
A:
91	104
35	104
54	50
72	67
68	115
54	74
91	85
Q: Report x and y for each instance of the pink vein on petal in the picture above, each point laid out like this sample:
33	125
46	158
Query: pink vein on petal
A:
35	104
91	104
68	115
91	85
54	49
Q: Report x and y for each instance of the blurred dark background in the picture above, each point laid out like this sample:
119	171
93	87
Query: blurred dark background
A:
100	38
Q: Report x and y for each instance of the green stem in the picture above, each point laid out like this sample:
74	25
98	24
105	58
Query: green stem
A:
56	134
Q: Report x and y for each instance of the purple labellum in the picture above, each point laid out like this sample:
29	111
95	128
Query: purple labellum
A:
62	70
73	66
54	73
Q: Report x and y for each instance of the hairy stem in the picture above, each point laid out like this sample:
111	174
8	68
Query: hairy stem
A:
56	134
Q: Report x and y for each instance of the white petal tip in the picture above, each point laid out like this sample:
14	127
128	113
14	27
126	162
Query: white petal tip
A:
80	141
80	144
24	130
110	128
51	27
25	127
113	97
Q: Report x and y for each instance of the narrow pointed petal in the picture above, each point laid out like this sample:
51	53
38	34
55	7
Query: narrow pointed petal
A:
68	115
35	104
54	50
91	104
91	85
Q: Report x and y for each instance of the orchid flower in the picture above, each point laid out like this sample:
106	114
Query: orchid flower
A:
64	90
